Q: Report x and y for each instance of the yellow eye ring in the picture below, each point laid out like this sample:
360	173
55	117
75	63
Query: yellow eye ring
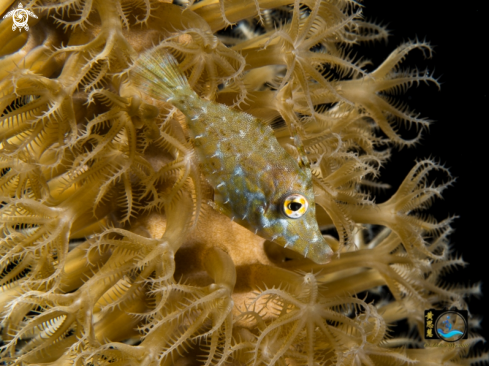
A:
295	206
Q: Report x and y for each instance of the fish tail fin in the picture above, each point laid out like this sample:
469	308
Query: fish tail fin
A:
157	74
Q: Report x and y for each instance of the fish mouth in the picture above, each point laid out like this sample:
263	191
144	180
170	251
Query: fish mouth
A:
313	246
306	240
317	250
320	253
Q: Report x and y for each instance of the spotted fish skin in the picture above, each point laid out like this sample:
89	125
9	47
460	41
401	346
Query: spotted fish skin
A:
251	173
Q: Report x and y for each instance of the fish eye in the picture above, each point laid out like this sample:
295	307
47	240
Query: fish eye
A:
295	206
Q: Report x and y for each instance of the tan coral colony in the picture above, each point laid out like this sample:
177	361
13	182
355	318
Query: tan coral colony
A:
114	249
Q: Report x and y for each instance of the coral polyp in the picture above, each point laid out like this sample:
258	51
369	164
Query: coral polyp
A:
112	250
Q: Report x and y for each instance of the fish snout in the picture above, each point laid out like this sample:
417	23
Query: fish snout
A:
319	251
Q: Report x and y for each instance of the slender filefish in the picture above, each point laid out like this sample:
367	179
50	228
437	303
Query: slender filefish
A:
256	182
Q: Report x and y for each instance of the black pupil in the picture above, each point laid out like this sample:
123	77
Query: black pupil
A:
294	206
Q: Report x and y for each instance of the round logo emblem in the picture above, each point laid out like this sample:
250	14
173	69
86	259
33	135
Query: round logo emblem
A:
450	326
20	17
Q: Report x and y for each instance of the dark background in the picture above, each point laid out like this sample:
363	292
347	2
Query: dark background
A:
457	138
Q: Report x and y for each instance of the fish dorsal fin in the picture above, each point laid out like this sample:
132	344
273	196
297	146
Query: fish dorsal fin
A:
157	74
292	151
302	157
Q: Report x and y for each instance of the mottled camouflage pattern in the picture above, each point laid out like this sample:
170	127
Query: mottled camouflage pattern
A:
242	160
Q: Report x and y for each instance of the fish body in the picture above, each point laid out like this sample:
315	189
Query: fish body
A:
257	183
